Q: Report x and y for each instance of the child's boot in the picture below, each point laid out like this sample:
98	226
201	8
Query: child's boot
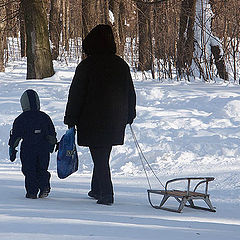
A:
44	193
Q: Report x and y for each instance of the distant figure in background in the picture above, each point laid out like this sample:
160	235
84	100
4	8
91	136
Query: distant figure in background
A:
101	103
37	132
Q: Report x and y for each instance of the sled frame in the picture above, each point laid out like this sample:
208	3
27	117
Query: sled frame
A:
184	197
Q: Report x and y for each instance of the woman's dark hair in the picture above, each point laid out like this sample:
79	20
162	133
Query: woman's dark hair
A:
100	40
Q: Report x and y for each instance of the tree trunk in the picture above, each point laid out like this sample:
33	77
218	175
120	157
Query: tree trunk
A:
118	26
185	45
2	36
218	58
219	62
104	15
122	28
39	59
76	19
65	24
11	9
22	32
88	15
94	12
144	32
206	44
54	27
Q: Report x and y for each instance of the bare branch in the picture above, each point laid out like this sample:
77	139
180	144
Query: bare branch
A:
151	2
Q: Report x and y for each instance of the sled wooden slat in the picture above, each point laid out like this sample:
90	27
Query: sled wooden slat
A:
178	193
186	196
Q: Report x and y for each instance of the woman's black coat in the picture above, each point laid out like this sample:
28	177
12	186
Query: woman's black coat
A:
101	100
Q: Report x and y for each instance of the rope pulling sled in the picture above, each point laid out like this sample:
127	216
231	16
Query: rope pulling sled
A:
184	198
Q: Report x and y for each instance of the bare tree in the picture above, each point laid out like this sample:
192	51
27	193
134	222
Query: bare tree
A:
166	24
11	18
206	44
103	8
219	61
39	59
54	27
150	34
88	12
76	18
225	26
185	45
22	31
144	34
118	10
2	34
65	23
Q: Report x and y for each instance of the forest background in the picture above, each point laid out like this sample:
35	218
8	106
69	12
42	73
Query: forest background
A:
176	39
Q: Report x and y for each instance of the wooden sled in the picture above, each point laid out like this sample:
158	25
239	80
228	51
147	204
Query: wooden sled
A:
184	197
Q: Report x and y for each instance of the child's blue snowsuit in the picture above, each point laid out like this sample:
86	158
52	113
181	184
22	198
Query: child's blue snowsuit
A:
37	132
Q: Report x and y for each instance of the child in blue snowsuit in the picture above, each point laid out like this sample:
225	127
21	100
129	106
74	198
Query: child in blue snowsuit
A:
37	132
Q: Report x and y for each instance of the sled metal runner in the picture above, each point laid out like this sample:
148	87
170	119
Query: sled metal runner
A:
184	197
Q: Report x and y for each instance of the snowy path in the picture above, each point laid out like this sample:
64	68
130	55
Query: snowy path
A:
69	214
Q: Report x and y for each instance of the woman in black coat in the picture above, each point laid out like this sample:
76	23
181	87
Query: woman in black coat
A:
101	103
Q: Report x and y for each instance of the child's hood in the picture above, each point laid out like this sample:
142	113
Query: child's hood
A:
30	101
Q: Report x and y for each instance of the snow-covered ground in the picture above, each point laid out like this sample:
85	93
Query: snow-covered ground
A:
183	129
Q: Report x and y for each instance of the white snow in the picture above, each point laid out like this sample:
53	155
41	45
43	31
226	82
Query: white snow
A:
183	129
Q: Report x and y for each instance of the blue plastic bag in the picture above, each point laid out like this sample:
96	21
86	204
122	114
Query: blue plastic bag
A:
67	157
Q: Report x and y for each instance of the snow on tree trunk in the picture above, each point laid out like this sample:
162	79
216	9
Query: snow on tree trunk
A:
206	44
